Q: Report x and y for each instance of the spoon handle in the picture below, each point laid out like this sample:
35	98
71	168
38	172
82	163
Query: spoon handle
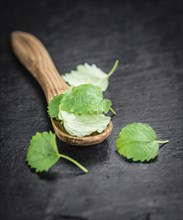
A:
34	56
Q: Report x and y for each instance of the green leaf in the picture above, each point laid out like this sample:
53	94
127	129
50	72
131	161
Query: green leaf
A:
53	107
138	142
86	73
84	99
83	125
43	152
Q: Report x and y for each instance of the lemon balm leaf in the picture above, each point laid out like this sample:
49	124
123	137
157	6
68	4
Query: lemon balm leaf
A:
83	125
43	153
85	99
86	73
138	142
53	107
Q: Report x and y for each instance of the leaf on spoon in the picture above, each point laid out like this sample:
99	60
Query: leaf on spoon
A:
43	152
82	125
53	107
85	99
89	74
138	142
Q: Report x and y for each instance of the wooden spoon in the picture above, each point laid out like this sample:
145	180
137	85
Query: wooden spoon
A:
34	56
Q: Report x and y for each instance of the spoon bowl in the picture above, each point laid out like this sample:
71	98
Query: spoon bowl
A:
34	56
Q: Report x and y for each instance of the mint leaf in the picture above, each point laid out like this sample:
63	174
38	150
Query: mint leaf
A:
43	152
83	125
89	74
85	99
138	142
53	107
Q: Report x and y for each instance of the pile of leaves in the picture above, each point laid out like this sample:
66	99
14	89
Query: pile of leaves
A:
81	110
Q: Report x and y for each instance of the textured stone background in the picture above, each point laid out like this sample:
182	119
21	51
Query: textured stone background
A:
146	37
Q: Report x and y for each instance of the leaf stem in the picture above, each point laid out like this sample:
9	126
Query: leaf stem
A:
113	68
74	162
162	142
112	110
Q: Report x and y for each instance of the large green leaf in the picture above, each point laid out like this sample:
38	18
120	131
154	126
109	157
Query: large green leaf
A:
138	142
85	99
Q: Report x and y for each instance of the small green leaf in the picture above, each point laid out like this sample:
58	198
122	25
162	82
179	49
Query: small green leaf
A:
85	99
138	142
86	73
43	152
82	125
53	107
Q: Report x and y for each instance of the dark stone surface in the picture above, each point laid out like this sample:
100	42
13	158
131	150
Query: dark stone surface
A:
146	37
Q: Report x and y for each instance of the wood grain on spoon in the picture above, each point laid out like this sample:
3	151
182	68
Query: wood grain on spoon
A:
34	56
